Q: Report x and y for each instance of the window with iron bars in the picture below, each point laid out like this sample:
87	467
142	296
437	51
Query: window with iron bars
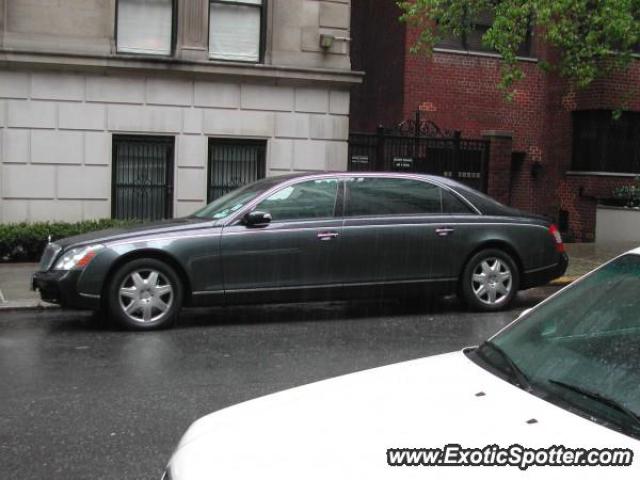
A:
234	163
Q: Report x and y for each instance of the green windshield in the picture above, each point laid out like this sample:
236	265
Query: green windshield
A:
586	339
233	201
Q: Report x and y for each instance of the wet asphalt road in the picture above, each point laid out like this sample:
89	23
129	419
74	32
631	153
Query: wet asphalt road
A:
81	401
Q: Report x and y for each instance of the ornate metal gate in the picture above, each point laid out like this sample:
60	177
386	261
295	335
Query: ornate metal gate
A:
142	186
418	145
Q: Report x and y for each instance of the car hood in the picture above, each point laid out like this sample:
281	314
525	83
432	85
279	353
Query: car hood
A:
342	428
120	233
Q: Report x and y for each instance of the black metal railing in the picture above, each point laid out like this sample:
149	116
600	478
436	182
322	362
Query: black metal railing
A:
420	146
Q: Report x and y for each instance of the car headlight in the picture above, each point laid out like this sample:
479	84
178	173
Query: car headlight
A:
77	258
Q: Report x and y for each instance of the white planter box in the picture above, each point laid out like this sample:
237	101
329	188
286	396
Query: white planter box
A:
617	224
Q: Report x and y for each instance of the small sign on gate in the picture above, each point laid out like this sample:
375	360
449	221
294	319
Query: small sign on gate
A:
402	163
360	159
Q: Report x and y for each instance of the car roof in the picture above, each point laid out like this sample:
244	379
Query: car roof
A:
435	178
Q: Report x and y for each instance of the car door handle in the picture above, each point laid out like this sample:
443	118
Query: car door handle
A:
325	236
444	231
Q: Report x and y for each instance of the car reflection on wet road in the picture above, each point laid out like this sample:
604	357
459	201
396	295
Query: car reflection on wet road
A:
83	401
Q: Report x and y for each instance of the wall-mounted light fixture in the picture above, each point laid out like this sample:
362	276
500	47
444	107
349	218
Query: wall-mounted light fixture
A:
327	40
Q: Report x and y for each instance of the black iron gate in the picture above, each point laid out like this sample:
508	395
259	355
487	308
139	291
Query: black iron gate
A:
142	186
420	146
233	163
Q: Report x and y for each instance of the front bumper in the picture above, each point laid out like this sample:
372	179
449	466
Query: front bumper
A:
61	287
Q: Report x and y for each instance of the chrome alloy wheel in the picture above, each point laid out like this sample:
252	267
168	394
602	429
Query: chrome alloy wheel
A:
145	295
492	281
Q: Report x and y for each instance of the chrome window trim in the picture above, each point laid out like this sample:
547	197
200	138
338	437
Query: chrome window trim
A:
342	176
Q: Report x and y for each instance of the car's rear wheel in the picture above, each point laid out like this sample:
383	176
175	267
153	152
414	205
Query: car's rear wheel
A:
490	280
145	294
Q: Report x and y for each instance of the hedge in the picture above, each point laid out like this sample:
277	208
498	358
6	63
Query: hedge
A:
24	242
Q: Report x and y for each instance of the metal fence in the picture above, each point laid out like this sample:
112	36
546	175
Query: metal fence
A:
233	163
142	187
419	146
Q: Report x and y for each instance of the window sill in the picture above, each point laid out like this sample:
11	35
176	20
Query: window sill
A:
243	63
473	53
144	53
580	173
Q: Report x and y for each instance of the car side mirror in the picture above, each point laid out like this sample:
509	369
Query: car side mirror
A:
257	219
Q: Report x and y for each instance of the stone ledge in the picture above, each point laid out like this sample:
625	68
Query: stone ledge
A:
195	69
497	134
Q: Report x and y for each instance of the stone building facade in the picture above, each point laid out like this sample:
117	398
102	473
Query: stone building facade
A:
151	108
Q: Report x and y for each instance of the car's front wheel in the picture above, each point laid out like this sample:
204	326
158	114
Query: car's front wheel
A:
145	294
490	280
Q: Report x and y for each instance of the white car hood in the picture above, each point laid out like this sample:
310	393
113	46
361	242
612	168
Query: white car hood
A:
342	428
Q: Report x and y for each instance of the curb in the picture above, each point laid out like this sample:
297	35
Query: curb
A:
563	281
27	305
40	305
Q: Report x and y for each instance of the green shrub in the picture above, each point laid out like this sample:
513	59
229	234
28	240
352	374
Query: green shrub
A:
24	242
628	195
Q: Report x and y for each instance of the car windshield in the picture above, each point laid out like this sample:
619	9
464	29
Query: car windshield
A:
581	348
234	200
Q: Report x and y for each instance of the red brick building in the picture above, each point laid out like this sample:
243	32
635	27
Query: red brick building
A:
456	88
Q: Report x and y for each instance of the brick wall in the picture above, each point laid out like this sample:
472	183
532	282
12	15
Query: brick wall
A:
378	49
623	89
458	91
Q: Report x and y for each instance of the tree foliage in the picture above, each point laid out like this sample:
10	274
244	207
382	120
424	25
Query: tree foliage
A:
592	37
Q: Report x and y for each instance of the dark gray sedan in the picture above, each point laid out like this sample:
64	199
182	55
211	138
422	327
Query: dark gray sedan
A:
308	237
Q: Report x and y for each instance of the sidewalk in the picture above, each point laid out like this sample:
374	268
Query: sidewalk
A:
15	291
15	278
584	257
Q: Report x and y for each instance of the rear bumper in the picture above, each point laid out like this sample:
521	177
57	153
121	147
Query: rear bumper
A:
538	277
61	287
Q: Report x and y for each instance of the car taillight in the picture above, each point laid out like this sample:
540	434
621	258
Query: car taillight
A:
557	238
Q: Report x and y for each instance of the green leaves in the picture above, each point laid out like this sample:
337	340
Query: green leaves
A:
26	241
593	38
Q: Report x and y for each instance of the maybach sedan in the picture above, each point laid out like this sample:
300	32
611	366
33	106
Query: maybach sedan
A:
308	237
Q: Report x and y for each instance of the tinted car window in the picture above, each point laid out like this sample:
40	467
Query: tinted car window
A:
236	199
392	196
310	199
451	204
